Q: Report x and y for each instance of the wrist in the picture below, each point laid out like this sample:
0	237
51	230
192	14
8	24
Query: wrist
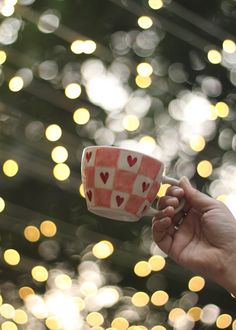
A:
227	278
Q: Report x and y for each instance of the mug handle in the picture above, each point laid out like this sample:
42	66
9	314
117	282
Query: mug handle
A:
166	179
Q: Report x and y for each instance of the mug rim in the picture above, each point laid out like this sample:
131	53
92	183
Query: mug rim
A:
124	149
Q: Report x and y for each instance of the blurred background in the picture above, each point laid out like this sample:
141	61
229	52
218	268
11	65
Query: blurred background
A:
156	76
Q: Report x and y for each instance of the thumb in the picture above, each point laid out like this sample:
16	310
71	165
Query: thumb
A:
195	198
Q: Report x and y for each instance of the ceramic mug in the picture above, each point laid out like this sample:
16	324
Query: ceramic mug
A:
121	184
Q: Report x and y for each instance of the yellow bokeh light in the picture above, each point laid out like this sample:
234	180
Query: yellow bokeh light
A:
61	172
194	313
77	46
16	84
145	22
131	123
11	257
234	325
229	46
83	46
155	4
223	321
204	168
159	298
20	316
140	299
81	116
214	56
79	302
157	263
10	167
48	228
163	189
59	154
143	82
81	190
25	291
31	233
63	282
103	249
120	323
95	319
142	268
158	327
175	314
7	10
148	142
97	328
53	323
7	311
88	288
89	46
213	113
3	57
197	143
39	273
73	90
8	325
2	204
196	283
222	109
144	69
53	132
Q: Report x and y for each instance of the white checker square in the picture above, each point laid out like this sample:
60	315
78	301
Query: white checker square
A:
104	177
89	157
129	161
142	185
119	199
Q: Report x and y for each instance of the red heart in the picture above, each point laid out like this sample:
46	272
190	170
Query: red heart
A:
88	155
131	161
89	194
119	200
145	186
104	176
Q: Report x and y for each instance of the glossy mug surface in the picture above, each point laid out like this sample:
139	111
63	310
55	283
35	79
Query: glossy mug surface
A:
121	184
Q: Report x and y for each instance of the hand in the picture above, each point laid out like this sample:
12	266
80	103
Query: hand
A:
201	237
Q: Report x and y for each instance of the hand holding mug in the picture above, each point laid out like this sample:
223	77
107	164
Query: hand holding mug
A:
122	184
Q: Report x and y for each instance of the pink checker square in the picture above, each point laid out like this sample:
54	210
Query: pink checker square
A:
102	197
107	157
153	191
89	175
149	167
124	181
133	204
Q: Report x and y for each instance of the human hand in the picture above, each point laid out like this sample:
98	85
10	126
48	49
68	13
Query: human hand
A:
201	237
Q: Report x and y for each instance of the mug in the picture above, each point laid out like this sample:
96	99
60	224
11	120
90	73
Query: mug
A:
122	184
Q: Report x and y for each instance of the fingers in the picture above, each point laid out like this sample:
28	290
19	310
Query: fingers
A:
163	233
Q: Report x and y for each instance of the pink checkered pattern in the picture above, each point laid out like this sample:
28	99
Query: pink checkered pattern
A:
123	181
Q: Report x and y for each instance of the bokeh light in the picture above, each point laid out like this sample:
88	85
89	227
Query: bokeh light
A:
11	257
3	57
159	298
223	321
103	249
145	22
48	228
16	84
73	91
142	268
31	233
204	168
59	154
155	4
81	116
140	299
157	262
39	273
214	56
61	172
10	167
196	283
53	132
